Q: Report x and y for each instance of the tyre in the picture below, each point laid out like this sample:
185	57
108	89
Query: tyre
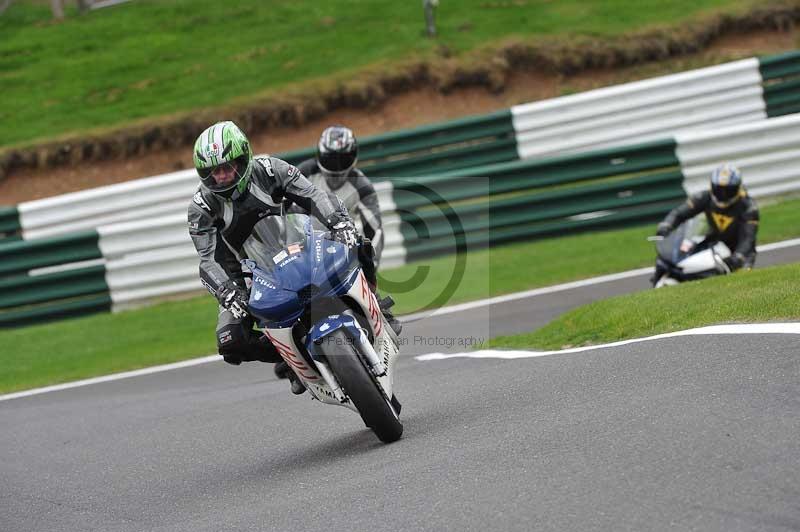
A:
361	387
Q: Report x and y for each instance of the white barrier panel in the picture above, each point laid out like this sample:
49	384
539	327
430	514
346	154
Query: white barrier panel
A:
88	209
140	278
767	152
121	239
640	111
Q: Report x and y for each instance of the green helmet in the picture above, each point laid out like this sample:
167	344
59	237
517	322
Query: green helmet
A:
223	159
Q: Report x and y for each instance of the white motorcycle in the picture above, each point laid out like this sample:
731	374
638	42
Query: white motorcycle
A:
686	254
313	302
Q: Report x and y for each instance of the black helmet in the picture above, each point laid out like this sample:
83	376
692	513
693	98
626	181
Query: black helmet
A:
726	185
337	153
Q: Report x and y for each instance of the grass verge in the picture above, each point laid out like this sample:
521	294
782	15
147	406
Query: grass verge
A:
151	58
95	345
769	294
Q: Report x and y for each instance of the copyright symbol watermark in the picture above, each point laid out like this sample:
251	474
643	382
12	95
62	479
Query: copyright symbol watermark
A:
435	220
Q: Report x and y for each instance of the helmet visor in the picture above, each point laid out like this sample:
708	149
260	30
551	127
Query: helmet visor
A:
223	177
724	194
336	162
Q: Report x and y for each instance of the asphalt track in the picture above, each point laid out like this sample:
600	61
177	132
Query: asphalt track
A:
689	433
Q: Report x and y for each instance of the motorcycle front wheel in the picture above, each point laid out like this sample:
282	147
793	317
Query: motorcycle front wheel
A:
361	387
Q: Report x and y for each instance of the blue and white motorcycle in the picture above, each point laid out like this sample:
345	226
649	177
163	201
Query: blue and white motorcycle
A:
311	298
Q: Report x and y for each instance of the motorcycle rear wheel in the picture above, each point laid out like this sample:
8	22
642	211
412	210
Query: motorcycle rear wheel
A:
361	387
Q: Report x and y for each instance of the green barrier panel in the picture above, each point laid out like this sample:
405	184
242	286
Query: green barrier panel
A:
781	84
780	65
19	257
410	150
56	311
431	231
782	98
782	110
9	223
496	151
525	175
437	135
650	213
30	290
544	206
492	220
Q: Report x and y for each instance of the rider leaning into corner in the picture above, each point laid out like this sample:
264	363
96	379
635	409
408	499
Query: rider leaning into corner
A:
334	170
731	213
236	191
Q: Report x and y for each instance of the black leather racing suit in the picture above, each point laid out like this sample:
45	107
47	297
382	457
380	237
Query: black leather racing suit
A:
219	228
735	225
359	197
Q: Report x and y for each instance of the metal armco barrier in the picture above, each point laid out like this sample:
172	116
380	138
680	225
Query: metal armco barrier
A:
767	152
781	82
457	144
640	111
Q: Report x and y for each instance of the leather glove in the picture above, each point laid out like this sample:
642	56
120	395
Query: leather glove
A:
663	229
233	299
345	232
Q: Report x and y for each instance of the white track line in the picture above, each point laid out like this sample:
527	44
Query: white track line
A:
741	328
560	287
528	293
439	312
112	377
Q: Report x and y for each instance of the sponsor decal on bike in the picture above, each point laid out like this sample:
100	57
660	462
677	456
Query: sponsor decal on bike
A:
318	250
279	257
263	282
287	261
291	358
375	316
294	248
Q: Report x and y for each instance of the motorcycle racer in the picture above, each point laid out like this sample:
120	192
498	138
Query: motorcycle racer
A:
236	191
334	170
732	215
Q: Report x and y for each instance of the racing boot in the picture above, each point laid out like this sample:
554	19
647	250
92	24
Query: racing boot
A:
385	304
297	385
282	370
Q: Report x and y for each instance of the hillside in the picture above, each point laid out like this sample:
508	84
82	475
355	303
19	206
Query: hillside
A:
468	92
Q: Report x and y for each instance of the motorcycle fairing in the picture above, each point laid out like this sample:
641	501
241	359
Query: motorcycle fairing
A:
279	296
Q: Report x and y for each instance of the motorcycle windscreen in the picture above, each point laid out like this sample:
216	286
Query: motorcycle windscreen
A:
293	261
680	243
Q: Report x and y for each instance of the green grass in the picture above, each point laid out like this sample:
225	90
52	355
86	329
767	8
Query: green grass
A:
768	294
150	58
172	331
73	349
